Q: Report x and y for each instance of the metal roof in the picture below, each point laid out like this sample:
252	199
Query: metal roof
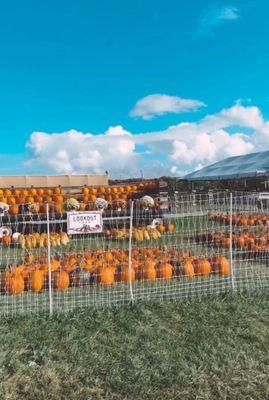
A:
248	165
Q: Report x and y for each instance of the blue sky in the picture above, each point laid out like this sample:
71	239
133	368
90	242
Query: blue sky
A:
84	65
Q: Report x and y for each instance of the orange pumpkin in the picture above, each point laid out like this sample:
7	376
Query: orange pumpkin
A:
204	267
57	190
61	280
222	266
24	192
164	271
85	191
40	192
55	265
58	198
36	280
11	200
49	192
7	192
3	199
6	240
30	199
161	228
188	269
108	256
32	191
226	242
125	274
14	209
58	208
106	275
240	242
170	227
21	199
14	283
149	271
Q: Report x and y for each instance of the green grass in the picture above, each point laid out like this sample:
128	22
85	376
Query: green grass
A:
212	349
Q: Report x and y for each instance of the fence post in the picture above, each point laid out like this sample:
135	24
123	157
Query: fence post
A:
231	240
49	264
130	252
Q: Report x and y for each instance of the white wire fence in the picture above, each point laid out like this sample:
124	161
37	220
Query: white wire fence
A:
189	247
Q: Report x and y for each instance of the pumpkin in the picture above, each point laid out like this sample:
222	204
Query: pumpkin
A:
85	191
188	269
58	198
14	283
3	199
58	208
106	275
240	242
57	190
87	265
226	242
7	192
161	228
24	192
14	209
54	265
32	191
203	267
164	270
40	192
49	192
48	199
170	227
36	280
126	274
61	280
21	199
108	256
30	199
222	266
149	271
11	200
6	240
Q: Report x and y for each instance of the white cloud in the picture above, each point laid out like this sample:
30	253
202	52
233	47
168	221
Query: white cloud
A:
159	104
176	150
214	17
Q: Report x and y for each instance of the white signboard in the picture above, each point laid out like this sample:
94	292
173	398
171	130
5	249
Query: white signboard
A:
84	222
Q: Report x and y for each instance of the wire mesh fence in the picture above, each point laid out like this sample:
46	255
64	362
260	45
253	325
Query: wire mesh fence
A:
191	246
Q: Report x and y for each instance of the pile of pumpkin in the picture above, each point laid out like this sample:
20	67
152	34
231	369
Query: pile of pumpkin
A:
107	268
241	219
253	241
112	193
31	195
36	240
139	234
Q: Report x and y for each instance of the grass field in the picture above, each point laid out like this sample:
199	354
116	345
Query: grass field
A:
212	349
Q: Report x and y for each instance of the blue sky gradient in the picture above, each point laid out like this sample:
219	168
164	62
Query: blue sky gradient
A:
83	65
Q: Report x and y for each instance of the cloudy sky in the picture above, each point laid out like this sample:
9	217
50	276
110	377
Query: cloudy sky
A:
162	86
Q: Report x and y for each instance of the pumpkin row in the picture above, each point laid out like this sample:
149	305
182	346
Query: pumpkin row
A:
36	240
244	240
139	234
241	219
108	268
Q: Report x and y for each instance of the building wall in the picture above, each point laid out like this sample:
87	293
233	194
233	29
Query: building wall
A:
52	180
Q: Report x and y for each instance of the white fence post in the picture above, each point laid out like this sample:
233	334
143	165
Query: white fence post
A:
231	240
49	264
130	252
